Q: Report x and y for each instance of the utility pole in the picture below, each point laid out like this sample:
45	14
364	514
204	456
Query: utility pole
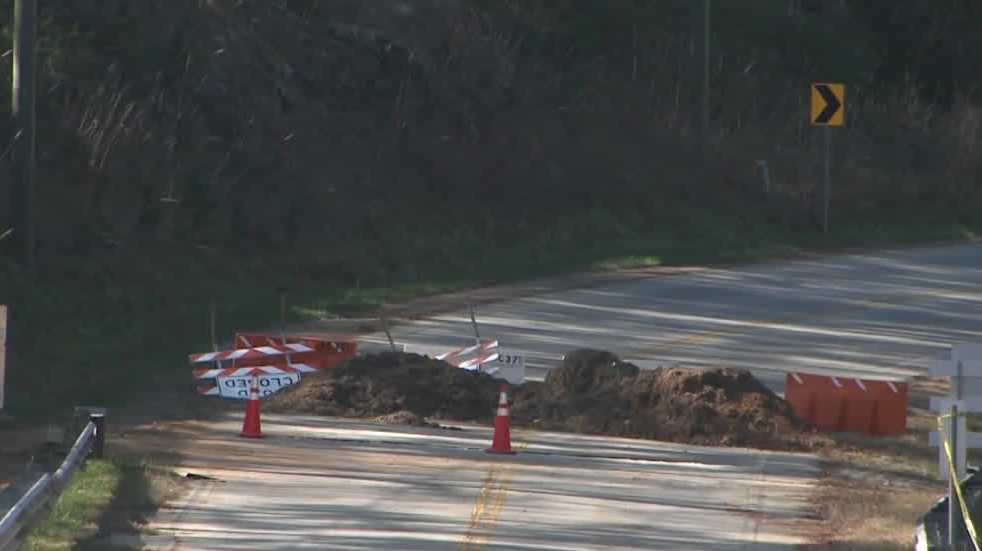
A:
23	99
706	8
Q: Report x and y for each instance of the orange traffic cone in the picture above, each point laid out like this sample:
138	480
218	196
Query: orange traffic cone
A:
502	426
250	426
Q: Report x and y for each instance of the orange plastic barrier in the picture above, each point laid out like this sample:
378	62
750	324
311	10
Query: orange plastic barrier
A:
837	404
890	415
327	352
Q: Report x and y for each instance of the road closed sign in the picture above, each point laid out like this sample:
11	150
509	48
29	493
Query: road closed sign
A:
237	387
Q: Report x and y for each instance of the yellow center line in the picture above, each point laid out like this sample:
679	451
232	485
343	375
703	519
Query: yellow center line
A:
484	519
696	337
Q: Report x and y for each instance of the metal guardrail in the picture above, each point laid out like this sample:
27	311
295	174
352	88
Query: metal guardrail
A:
50	485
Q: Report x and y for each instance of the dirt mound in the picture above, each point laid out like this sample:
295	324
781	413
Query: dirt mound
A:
593	392
586	370
389	383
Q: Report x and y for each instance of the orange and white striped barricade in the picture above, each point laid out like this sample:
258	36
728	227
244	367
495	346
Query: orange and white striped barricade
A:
486	356
840	404
471	357
233	382
263	353
319	352
279	362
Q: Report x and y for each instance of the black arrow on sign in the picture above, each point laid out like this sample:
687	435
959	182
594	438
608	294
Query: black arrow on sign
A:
832	104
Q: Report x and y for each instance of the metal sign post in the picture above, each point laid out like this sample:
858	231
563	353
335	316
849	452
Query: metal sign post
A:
827	109
706	11
283	314
827	176
477	334
214	339
388	334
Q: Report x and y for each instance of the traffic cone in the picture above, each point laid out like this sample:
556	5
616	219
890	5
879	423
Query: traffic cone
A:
250	426
502	426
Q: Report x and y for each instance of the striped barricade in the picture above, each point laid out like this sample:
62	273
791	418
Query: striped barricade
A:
471	357
278	363
234	382
486	356
839	404
263	353
322	353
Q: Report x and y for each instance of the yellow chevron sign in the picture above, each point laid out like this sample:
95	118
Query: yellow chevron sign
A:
828	104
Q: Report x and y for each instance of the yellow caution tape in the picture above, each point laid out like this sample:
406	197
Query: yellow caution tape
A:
953	473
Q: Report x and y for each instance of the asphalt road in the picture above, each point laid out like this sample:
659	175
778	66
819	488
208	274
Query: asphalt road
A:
331	484
882	315
318	483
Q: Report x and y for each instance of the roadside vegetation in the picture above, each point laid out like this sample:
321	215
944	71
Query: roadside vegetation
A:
110	497
357	153
74	514
353	154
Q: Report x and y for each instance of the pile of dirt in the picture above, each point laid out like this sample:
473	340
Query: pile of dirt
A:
593	392
392	383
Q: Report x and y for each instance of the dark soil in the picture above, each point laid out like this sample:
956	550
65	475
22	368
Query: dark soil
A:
593	392
392	382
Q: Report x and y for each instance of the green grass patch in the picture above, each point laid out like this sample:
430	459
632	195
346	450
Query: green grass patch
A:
75	514
107	496
113	329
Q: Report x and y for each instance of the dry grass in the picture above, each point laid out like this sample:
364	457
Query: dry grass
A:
872	497
877	488
866	518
